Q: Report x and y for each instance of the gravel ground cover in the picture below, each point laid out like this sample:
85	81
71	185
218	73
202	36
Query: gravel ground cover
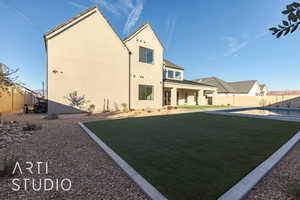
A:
70	153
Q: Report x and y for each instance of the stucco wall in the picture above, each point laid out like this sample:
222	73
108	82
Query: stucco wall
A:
250	101
190	97
144	73
87	57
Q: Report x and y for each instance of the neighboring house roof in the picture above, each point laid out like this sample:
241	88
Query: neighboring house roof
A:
90	10
186	82
242	86
169	64
222	86
139	29
283	92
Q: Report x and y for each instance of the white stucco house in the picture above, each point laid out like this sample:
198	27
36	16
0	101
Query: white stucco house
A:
86	55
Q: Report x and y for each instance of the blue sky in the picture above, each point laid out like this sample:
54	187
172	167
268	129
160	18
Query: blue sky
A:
224	38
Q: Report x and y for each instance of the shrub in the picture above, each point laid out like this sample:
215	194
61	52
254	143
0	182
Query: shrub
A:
293	189
31	127
262	102
75	100
51	116
124	107
91	109
169	107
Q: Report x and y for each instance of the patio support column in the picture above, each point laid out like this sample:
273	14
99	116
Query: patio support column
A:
200	97
215	98
174	97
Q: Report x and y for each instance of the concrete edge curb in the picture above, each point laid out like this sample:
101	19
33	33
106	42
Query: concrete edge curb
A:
241	189
145	186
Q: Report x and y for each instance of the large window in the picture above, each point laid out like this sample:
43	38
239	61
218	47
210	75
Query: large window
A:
178	75
165	74
145	92
170	74
145	55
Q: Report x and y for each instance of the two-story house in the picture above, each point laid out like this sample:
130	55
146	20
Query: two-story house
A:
86	55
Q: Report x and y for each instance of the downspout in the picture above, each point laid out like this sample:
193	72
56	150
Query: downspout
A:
162	85
129	89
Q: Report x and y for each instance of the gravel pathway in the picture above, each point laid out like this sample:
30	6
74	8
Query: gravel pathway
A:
283	182
70	153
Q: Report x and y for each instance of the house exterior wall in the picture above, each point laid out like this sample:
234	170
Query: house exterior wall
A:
87	57
144	73
190	100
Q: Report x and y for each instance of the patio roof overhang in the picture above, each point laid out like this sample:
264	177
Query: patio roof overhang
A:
186	84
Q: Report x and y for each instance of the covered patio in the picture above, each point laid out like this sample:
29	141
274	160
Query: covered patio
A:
176	93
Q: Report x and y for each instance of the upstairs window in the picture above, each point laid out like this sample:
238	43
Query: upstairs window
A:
165	74
145	55
170	74
178	75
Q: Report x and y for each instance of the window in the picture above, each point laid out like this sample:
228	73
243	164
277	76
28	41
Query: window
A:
178	75
165	74
145	55
145	92
170	74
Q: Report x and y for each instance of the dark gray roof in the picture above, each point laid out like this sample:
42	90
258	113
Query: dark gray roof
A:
242	86
222	86
168	63
186	82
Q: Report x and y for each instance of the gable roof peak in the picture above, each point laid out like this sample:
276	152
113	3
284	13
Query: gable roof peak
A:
81	15
139	29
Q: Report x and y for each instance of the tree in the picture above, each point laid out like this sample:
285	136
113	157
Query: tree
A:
292	13
75	100
6	77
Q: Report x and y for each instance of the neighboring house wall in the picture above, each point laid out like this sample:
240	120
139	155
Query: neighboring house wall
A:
255	90
14	99
146	73
87	56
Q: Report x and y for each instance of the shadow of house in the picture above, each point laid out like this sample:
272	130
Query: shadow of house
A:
60	108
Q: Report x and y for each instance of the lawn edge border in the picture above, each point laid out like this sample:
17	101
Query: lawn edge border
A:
244	186
145	186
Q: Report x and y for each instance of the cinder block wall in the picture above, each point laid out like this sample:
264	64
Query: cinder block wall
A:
14	99
292	101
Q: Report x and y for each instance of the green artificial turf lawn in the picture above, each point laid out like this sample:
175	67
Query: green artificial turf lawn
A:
196	155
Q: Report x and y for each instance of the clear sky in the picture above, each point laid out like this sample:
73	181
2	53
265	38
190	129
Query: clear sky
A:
224	38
